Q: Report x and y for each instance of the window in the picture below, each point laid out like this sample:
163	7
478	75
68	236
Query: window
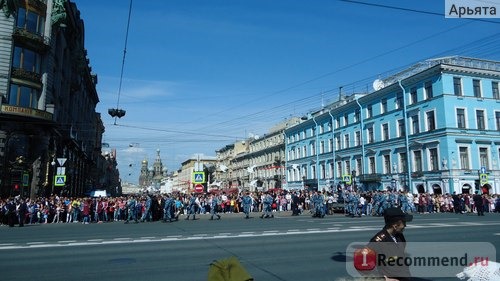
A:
321	129
464	158
399	101
30	21
431	122
313	171
483	157
330	145
313	131
461	118
383	104
497	119
372	165
23	96
330	126
387	164
370	135
494	90
428	90
413	96
322	147
401	128
346	141
304	151
357	115
457	86
313	148
27	60
415	125
385	131
476	85
337	140
357	136
348	166
346	119
339	168
480	120
337	122
433	159
369	111
332	170
358	166
403	162
417	160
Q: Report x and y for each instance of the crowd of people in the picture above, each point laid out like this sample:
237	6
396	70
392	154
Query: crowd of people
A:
169	207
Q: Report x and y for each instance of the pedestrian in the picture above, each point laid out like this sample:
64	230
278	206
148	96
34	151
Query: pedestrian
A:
266	206
131	210
246	201
193	205
10	212
21	212
168	209
214	207
390	243
478	202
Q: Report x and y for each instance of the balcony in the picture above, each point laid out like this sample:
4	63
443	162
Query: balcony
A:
370	178
31	40
27	75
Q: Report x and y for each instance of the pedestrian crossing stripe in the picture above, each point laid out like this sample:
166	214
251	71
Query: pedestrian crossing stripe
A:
59	180
198	177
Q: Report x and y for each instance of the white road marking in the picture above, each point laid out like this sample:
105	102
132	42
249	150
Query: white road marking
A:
123	240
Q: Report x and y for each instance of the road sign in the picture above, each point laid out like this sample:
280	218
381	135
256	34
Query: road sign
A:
483	178
198	188
61	161
59	180
483	170
347	179
198	177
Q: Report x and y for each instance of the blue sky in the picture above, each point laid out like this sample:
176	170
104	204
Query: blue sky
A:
201	74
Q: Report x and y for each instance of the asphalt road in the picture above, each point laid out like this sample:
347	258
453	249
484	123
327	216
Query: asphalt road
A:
282	248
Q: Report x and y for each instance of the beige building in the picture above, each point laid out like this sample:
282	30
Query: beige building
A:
182	180
257	163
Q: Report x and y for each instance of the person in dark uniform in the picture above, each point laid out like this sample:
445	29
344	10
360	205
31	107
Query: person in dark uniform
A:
11	212
21	212
478	202
390	243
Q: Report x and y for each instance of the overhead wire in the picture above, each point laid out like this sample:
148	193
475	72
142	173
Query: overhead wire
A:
312	100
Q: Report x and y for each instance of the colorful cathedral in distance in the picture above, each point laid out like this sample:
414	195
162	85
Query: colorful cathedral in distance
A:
152	176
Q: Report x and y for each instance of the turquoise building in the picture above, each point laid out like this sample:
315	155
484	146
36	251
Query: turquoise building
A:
434	127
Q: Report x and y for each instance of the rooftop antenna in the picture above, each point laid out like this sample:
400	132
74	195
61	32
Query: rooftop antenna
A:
118	112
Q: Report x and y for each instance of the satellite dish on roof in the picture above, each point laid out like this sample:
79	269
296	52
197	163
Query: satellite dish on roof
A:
378	84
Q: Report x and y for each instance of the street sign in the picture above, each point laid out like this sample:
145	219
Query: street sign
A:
61	161
198	188
347	179
483	170
59	180
483	178
198	177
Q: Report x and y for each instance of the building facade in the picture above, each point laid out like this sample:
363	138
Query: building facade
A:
182	180
48	103
434	127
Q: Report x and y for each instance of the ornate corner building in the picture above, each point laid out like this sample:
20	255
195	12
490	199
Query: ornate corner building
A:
48	103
